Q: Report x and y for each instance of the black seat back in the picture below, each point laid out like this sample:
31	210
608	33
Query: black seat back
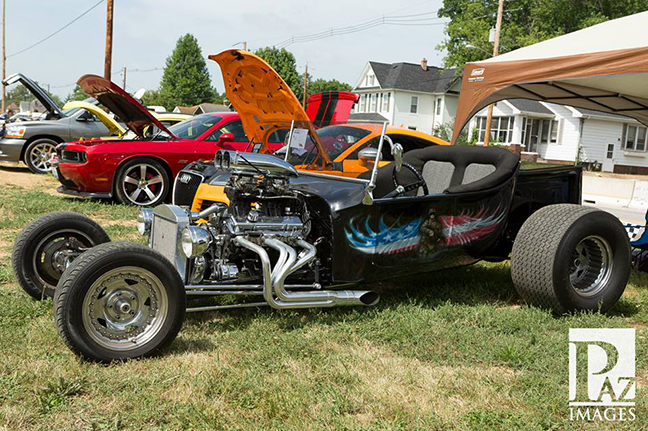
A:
450	169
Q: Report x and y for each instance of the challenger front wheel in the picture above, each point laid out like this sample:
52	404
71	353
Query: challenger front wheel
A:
119	301
142	182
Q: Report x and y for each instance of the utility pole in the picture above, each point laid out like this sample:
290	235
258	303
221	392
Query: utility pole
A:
124	79
4	53
109	34
244	46
305	86
498	28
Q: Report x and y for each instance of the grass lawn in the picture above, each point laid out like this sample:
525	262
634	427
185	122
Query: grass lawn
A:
450	350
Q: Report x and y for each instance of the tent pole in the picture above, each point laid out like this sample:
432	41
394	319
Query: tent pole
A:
498	28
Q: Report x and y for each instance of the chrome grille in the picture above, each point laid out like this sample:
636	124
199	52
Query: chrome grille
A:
164	237
185	187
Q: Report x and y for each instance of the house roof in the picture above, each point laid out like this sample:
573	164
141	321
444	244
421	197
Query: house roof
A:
602	114
185	109
211	107
412	77
526	105
366	117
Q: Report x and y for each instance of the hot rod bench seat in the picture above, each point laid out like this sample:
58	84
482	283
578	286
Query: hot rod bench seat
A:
449	169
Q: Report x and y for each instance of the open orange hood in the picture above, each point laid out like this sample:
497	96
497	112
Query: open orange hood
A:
262	99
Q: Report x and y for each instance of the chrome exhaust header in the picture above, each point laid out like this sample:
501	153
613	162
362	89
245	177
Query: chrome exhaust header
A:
289	262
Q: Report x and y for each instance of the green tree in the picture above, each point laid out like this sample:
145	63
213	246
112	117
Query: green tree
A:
77	94
20	93
284	63
186	80
321	85
525	22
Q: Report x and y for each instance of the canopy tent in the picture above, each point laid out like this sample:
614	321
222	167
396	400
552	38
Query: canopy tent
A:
603	67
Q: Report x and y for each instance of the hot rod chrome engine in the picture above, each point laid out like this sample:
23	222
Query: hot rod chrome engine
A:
252	245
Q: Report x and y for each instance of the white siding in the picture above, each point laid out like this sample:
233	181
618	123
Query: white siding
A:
566	148
597	135
423	120
450	108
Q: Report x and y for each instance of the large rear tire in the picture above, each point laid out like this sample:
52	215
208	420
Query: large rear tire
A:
119	301
570	257
46	247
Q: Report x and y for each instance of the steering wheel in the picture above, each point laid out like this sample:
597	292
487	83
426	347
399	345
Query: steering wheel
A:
400	190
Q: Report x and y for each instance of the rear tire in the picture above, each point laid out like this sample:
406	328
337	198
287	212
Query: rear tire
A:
47	244
119	301
38	155
143	182
569	257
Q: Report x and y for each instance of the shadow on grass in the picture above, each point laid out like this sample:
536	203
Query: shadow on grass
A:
15	168
472	285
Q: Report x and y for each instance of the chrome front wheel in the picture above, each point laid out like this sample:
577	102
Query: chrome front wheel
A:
39	154
125	308
142	182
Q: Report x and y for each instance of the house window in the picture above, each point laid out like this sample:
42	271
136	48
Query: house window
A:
634	137
386	102
380	97
544	136
370	80
501	129
363	101
438	106
554	132
373	103
610	151
414	105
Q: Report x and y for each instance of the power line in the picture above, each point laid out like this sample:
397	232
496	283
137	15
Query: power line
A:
57	31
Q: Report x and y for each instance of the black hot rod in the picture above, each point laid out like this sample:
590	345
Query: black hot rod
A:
292	239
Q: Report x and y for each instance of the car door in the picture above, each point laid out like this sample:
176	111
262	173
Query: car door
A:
86	125
234	127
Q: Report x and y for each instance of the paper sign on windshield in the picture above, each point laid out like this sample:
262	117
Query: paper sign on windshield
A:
298	139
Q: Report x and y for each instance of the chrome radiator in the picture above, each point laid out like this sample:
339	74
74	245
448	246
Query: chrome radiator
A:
166	233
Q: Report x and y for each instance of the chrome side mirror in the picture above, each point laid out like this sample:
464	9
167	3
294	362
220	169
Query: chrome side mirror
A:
397	152
368	155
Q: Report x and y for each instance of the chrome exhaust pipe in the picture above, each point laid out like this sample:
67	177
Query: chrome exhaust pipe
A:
345	297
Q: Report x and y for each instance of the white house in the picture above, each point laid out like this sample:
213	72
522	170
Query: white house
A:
562	134
405	94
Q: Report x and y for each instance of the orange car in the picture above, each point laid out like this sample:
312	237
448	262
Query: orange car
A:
268	108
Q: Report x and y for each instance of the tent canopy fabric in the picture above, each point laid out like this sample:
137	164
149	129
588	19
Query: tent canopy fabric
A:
603	68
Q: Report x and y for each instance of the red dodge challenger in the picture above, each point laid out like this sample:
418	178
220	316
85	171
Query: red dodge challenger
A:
141	171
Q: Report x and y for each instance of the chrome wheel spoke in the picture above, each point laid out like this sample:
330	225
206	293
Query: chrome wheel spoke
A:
155	180
149	193
130	180
142	172
135	194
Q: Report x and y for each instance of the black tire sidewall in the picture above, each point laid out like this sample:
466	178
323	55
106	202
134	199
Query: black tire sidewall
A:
28	240
121	173
29	149
73	307
606	226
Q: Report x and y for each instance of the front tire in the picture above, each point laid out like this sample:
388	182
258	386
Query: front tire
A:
38	155
48	245
119	301
142	182
569	257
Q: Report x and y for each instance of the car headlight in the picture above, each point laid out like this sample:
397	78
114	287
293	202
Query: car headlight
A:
195	241
144	220
15	131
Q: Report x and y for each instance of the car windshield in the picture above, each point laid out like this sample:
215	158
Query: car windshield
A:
71	111
335	139
192	128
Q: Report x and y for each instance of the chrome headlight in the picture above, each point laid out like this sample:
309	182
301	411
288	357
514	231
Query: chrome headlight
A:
195	241
144	219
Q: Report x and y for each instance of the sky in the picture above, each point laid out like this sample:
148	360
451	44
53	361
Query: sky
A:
145	33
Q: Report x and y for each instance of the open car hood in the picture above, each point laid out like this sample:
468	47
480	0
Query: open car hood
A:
122	104
34	89
263	100
113	126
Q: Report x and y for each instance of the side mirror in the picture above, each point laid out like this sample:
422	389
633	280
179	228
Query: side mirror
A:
85	116
397	152
226	137
368	155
